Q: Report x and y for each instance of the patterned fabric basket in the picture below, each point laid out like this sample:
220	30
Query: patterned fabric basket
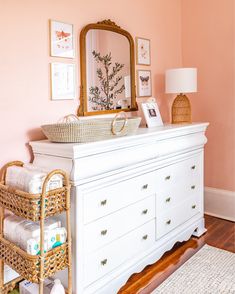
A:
28	266
29	205
90	130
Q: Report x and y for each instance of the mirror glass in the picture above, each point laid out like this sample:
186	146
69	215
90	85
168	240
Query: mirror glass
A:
108	70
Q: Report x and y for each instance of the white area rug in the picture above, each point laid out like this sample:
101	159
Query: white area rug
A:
209	271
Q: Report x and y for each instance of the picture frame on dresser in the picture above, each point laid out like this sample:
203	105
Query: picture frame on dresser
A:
61	39
151	114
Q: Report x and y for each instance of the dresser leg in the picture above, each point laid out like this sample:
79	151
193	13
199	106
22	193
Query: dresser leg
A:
200	229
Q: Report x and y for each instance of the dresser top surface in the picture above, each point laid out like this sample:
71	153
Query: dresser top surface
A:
142	136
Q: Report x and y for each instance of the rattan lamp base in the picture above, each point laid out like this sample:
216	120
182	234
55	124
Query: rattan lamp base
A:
181	110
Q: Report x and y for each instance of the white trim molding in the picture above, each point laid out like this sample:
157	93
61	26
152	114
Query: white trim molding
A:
220	203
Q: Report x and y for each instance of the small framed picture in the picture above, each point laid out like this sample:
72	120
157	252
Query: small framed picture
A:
63	81
144	82
152	114
61	39
143	51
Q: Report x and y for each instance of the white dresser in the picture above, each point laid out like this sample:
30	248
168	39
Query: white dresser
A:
133	198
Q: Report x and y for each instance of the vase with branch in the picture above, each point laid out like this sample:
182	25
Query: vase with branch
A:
110	86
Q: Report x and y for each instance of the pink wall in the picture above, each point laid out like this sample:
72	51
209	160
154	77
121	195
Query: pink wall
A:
208	35
24	58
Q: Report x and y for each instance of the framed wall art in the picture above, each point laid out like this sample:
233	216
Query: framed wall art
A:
61	39
144	83
63	81
143	51
151	114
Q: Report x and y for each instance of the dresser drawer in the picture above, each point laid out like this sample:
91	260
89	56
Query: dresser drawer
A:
176	194
109	228
186	171
104	201
113	255
177	215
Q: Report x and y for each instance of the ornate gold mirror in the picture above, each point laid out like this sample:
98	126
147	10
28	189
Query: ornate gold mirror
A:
107	69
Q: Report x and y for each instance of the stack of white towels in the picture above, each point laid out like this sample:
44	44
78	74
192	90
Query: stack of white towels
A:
30	178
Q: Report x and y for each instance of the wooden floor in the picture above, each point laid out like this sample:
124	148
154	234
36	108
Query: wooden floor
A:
220	234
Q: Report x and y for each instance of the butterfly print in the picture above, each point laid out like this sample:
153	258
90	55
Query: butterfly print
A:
60	35
63	37
144	80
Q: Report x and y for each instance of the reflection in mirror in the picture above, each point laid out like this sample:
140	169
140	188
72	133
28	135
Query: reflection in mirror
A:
108	71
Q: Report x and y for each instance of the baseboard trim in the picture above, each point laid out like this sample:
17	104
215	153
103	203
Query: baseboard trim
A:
220	203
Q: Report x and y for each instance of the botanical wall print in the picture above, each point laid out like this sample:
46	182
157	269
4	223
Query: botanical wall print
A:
143	51
62	81
144	83
62	39
110	83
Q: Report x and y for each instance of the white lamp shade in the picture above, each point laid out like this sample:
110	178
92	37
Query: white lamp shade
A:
181	80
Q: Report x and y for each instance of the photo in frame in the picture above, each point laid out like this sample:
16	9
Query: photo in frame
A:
61	39
144	82
151	114
63	81
143	51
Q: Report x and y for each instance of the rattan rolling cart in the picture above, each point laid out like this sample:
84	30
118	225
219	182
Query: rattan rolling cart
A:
35	207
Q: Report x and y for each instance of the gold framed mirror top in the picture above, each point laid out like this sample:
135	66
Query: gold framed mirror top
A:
107	69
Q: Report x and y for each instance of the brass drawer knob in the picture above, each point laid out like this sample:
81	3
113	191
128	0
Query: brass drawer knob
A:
193	167
103	202
167	178
104	262
193	187
168	199
168	222
145	187
145	211
104	232
145	237
194	206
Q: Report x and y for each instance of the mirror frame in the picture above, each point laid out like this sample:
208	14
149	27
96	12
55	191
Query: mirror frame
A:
107	25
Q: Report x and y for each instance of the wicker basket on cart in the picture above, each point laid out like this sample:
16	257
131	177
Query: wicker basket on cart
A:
35	207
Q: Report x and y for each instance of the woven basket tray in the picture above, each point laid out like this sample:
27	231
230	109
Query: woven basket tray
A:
90	130
28	266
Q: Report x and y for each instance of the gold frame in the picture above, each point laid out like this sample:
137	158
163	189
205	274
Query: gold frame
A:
137	52
138	82
109	26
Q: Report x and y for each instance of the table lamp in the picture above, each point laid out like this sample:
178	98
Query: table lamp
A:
181	81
